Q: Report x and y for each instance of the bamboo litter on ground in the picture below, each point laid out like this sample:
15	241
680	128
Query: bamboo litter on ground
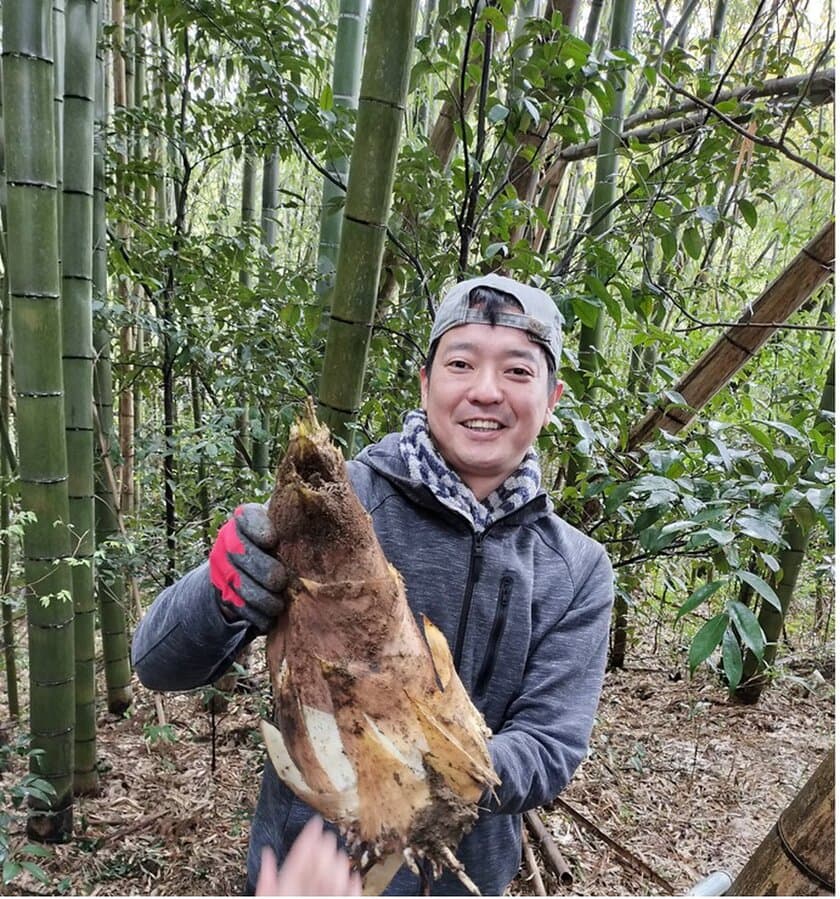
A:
676	776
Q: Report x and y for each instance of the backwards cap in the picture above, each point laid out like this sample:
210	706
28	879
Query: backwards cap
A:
540	318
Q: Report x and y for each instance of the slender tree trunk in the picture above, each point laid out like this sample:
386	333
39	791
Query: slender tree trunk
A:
248	215
606	171
347	70
77	330
9	655
198	425
383	91
127	335
136	70
268	237
676	36
29	130
718	20
110	579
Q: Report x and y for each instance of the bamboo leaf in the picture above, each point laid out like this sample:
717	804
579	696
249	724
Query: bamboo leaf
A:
747	626
692	241
706	640
764	590
699	596
733	662
749	213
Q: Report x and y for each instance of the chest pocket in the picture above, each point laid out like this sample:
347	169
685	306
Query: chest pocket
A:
485	671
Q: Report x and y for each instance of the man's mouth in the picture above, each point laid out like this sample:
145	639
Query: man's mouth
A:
482	424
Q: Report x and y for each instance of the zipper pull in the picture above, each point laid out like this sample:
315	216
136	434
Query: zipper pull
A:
478	556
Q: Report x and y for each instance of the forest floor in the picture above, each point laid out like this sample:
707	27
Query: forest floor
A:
679	783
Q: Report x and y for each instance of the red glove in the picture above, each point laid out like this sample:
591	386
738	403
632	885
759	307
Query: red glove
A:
250	581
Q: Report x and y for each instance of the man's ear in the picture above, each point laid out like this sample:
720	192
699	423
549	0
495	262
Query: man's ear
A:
552	401
424	386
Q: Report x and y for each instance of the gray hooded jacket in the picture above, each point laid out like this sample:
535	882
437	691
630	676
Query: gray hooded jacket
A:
525	606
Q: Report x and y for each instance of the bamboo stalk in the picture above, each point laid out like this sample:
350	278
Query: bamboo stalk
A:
549	847
531	865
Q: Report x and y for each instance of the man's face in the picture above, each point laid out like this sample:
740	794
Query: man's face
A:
486	401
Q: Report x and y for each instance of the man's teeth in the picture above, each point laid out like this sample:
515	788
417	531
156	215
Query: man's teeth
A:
480	424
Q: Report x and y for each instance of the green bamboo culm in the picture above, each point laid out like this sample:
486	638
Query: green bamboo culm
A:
110	579
6	602
372	163
604	193
261	431
6	462
347	67
80	18
36	335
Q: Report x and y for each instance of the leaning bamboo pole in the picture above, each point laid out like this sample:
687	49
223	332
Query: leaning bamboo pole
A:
811	268
39	385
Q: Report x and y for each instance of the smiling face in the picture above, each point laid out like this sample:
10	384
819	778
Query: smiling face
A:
486	401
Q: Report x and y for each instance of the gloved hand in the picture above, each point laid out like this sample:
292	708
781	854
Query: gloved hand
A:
249	579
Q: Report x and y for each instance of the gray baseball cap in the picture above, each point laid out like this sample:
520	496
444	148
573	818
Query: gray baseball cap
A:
539	318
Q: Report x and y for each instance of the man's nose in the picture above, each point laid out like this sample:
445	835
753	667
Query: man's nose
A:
485	387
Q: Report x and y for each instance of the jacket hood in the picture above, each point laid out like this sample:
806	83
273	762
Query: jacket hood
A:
385	458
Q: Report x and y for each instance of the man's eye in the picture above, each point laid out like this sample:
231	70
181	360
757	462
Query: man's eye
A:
457	363
521	372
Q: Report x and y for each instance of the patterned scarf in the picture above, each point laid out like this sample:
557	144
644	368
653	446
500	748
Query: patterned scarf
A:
426	465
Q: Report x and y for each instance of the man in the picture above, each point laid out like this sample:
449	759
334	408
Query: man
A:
523	598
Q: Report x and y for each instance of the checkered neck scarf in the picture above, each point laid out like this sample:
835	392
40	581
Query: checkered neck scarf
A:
425	464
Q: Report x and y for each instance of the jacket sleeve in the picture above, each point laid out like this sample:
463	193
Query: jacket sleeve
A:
183	641
546	730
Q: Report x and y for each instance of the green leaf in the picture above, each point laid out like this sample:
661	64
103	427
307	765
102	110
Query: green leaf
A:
498	113
819	498
693	242
495	18
668	241
749	213
761	437
760	525
10	871
764	590
36	871
586	310
706	640
699	596
747	626
733	663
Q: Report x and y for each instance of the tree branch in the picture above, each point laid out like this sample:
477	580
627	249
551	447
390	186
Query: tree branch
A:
755	138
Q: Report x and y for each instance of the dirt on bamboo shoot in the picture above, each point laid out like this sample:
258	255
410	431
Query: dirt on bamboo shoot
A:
372	725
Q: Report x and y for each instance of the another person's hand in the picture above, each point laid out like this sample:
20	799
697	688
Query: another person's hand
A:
315	866
243	569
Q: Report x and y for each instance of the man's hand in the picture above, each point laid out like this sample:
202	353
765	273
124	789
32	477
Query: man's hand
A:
249	579
315	866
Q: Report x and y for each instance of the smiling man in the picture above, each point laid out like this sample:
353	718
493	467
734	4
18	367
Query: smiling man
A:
456	501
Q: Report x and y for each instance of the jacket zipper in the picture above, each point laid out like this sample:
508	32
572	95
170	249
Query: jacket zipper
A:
505	590
476	554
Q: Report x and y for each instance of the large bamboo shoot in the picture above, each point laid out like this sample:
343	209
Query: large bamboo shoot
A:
374	728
